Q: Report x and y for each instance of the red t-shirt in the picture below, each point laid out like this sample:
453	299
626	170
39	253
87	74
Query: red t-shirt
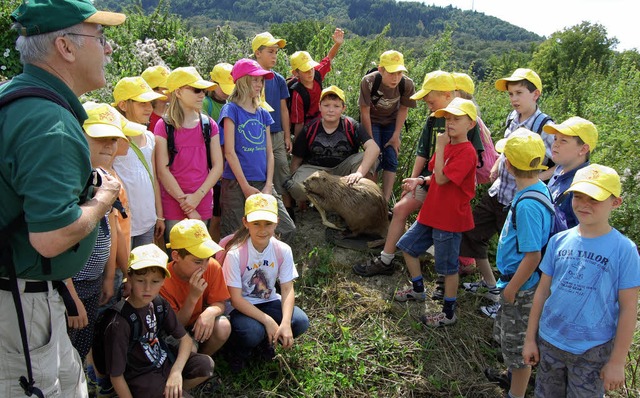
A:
448	206
176	290
153	119
297	115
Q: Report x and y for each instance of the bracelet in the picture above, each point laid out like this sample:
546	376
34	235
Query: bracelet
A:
424	180
159	219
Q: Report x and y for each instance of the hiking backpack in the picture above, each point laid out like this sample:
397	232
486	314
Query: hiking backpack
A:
160	308
294	85
205	127
548	204
377	81
488	157
347	124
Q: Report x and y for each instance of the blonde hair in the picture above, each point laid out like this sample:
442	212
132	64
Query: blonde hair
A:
174	115
242	91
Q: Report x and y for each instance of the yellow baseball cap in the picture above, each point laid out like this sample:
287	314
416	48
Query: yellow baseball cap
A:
105	121
459	107
463	82
221	76
519	75
302	61
260	206
333	90
435	81
186	76
577	127
392	61
147	256
597	181
193	236
524	149
136	89
267	40
156	76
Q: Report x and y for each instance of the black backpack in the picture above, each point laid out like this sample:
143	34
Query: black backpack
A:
160	307
294	85
347	124
205	126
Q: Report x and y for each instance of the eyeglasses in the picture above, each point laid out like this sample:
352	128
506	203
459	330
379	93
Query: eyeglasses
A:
196	90
101	39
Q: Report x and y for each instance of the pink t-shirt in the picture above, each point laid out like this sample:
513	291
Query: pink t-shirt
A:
189	168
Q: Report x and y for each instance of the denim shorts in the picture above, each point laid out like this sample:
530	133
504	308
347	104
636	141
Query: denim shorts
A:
446	246
388	157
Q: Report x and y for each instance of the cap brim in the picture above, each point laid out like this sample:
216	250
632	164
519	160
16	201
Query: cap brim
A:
501	84
307	66
419	94
501	144
106	18
453	111
148	264
227	88
203	84
395	68
278	42
596	192
100	130
264	73
205	249
259	215
149	96
132	129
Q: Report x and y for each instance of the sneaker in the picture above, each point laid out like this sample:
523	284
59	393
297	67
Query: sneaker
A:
438	319
481	288
490	310
373	267
500	377
409	294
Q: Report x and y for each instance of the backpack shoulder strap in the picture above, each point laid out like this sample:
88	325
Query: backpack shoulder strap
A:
510	117
401	86
377	80
349	129
134	147
304	94
205	126
533	195
312	131
171	141
40	93
278	249
317	77
540	121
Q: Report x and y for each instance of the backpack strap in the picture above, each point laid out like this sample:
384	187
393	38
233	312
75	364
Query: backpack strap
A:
375	97
205	126
40	93
171	141
312	131
136	149
349	130
299	88
538	197
540	121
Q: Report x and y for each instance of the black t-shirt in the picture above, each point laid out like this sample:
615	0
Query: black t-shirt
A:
328	150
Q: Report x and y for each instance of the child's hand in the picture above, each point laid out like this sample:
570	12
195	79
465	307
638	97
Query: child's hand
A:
442	140
612	375
271	327
530	353
107	291
173	387
353	178
197	284
394	142
203	327
189	202
194	215
267	189
410	185
284	335
338	36
250	191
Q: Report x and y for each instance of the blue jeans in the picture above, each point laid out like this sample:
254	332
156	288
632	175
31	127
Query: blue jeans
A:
446	246
247	333
388	156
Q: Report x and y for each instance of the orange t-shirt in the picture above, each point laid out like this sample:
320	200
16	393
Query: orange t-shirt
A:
176	290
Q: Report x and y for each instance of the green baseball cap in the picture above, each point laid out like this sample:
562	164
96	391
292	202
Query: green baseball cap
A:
44	16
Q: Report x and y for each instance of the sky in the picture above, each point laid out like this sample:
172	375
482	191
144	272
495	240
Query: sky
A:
544	17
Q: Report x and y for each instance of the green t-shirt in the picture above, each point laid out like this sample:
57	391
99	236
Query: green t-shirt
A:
44	167
212	107
427	140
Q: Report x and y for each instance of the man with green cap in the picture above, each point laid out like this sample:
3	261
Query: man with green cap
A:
48	220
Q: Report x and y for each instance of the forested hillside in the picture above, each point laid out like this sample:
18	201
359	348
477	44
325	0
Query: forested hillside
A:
477	36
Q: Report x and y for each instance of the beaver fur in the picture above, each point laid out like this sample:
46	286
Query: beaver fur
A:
361	205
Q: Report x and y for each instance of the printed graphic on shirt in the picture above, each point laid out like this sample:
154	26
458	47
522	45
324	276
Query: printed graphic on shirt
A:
253	131
149	341
260	284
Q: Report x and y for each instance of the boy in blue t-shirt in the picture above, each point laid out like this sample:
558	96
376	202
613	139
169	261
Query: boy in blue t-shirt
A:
585	308
519	252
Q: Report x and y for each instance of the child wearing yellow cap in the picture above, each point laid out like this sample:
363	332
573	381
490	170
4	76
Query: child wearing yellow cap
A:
140	365
331	143
156	78
584	311
221	90
446	211
385	99
197	291
260	316
519	251
188	169
310	75
136	168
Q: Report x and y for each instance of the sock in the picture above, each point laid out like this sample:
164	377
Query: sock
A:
418	284
386	258
449	307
